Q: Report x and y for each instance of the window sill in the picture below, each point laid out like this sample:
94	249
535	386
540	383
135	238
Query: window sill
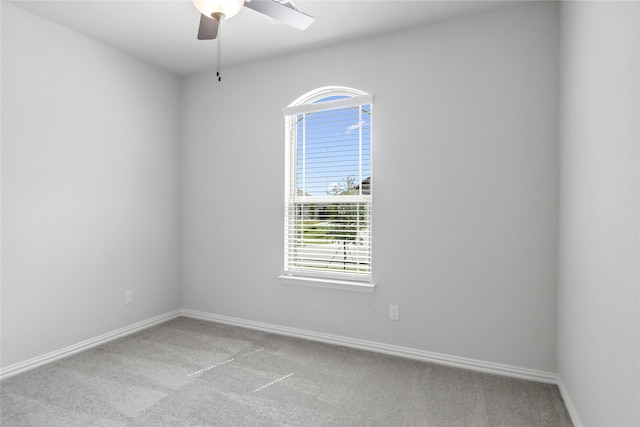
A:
344	285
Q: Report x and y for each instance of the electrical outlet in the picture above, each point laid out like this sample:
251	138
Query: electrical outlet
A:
394	312
128	296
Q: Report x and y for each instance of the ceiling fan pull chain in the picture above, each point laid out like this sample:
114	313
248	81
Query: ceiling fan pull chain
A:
219	50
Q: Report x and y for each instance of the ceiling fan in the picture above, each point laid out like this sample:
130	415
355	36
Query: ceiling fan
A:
214	11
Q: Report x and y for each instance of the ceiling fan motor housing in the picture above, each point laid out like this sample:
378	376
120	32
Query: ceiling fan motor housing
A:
218	9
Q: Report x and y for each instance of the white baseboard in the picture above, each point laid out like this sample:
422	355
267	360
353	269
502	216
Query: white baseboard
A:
85	345
569	404
426	356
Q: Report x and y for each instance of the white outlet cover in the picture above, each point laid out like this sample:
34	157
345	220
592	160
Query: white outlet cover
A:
394	312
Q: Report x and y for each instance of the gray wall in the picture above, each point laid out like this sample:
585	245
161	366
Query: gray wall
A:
599	324
465	215
466	201
90	188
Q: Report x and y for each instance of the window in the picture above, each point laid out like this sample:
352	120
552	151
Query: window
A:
328	180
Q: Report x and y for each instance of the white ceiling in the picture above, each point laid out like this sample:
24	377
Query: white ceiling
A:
164	32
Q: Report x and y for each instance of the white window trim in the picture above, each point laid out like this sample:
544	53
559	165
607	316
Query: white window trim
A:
320	282
323	92
354	101
303	105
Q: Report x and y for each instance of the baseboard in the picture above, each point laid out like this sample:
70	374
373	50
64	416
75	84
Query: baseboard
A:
569	404
85	345
426	356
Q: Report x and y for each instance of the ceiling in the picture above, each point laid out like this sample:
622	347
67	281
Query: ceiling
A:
163	32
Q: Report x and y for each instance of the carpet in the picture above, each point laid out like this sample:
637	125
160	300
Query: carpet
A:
189	372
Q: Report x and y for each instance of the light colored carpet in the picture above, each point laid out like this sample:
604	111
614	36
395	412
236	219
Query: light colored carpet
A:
188	372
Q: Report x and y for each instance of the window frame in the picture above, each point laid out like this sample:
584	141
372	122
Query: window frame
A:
306	104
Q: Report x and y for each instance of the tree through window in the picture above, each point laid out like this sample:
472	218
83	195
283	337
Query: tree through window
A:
328	184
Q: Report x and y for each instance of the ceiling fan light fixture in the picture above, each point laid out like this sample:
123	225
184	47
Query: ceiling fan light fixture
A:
209	8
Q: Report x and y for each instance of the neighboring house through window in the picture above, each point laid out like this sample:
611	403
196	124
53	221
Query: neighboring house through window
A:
328	192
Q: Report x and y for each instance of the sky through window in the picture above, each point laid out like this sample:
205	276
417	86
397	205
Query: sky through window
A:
331	145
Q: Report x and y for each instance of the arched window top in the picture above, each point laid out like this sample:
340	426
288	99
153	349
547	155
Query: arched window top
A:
327	93
327	97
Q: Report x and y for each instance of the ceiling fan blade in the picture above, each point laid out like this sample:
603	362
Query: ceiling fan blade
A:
281	12
208	29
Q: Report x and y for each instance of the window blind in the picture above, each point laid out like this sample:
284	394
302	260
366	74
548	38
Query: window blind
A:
328	188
